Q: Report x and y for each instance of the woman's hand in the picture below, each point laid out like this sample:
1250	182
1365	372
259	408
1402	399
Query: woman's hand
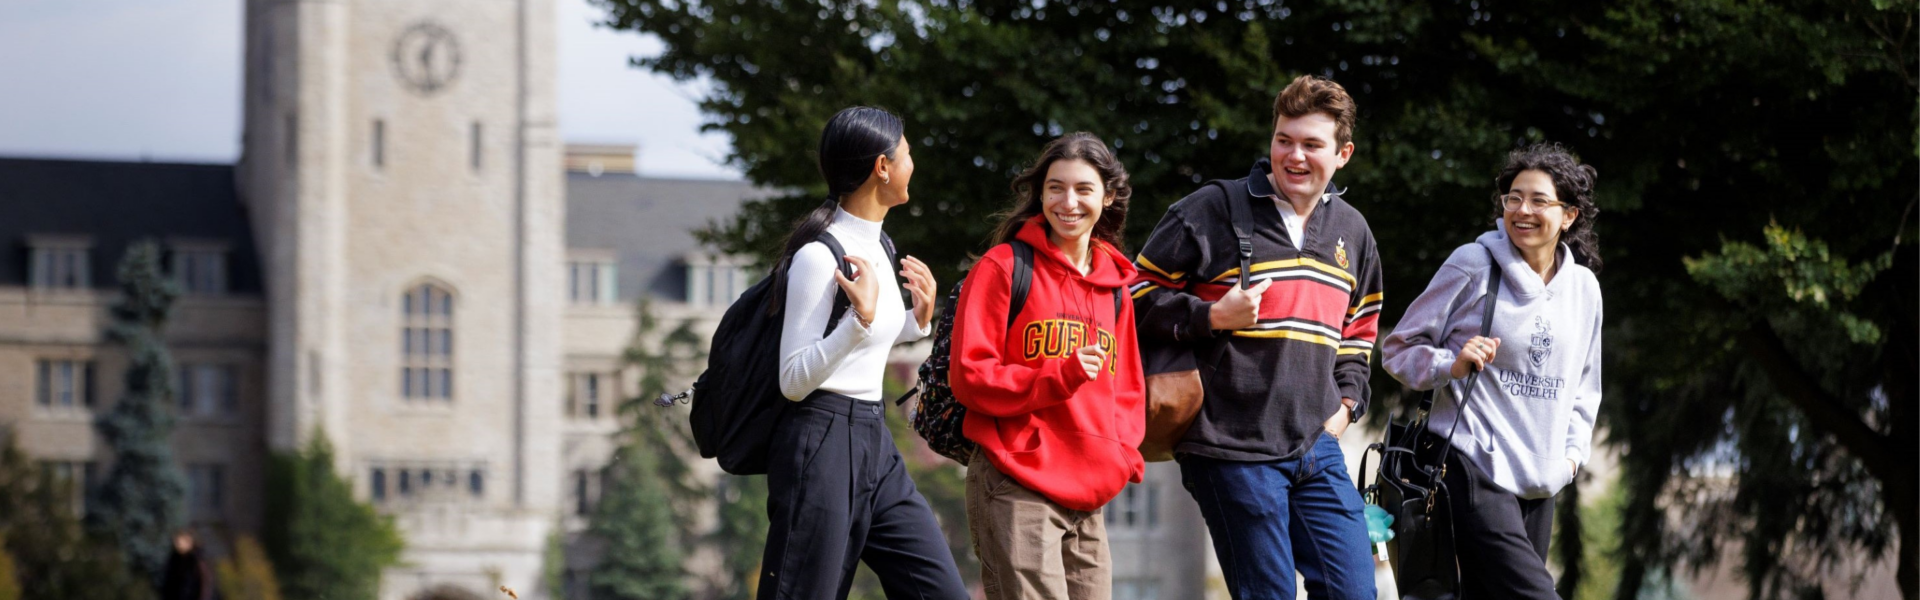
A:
920	285
1475	355
861	289
1091	359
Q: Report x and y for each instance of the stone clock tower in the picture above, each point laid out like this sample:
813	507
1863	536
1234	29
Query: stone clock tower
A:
401	168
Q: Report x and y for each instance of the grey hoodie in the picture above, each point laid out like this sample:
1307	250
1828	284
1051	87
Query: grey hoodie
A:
1534	407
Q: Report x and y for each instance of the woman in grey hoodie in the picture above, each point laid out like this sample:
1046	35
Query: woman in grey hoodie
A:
1527	425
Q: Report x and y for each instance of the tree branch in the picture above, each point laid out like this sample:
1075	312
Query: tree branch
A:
1822	408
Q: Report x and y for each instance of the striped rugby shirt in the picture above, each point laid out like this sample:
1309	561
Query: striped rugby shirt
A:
1274	384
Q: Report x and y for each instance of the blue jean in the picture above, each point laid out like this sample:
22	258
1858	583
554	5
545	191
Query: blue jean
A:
1271	518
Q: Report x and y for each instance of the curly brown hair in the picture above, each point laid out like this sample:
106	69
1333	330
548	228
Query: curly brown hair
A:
1572	184
1029	188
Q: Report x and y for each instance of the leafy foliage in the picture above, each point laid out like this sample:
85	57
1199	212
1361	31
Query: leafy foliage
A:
247	575
9	580
50	554
641	557
324	543
141	501
646	516
741	535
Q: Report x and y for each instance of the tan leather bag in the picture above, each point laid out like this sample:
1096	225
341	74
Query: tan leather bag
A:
1174	388
1173	400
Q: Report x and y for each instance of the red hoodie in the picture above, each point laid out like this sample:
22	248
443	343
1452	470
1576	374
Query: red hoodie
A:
1030	405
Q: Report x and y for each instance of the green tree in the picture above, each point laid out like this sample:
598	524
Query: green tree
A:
247	574
741	536
553	561
9	581
51	554
641	546
647	506
324	544
1707	119
141	501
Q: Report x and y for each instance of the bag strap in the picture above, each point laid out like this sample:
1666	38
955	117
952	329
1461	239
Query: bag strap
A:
893	262
1486	326
1023	283
1241	218
840	300
1022	279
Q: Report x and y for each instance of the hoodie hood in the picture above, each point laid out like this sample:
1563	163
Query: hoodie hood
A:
1110	268
1517	275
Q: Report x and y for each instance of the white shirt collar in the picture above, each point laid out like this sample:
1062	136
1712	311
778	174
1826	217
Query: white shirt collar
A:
845	221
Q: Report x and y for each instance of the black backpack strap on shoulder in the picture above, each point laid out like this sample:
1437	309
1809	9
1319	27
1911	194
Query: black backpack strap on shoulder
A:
1022	279
840	301
1119	297
893	262
1241	218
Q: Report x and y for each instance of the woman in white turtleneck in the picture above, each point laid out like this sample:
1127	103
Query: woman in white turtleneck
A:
850	361
837	489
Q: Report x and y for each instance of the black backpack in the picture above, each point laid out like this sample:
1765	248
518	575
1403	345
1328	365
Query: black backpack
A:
938	417
737	400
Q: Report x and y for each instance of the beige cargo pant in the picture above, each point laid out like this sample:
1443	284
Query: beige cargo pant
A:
1031	548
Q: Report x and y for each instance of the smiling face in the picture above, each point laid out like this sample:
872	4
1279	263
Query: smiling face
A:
1305	154
898	170
1072	198
1536	224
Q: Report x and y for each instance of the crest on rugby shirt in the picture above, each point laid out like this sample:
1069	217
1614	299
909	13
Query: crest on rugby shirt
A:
1340	252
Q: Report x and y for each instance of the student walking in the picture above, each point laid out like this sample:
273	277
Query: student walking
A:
1526	427
1284	323
1053	391
837	490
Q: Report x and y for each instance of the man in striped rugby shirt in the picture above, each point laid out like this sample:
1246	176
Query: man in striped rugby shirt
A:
1285	357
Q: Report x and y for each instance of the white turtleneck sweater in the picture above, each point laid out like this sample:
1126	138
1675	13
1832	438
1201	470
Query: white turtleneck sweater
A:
852	360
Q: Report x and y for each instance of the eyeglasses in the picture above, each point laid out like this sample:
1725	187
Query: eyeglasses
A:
1515	202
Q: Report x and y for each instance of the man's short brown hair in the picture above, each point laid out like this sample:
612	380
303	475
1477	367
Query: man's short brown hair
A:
1309	94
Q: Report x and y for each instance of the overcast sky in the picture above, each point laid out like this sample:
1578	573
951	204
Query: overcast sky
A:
160	79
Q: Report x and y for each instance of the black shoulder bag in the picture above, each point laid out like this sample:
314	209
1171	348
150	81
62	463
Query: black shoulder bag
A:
1425	566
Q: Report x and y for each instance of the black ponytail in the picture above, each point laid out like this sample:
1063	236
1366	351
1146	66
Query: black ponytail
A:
849	143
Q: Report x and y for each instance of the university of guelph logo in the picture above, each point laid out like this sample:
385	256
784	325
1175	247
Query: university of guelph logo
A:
1541	345
1340	252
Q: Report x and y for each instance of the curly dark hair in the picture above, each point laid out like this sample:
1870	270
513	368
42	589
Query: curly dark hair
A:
1029	188
1572	184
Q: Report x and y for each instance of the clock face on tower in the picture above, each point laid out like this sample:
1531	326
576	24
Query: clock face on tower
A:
426	58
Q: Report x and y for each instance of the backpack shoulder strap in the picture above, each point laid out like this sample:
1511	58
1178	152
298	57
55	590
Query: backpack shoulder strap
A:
1022	279
840	301
893	263
1241	219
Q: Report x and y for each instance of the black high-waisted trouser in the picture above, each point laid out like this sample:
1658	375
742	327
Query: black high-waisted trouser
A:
838	493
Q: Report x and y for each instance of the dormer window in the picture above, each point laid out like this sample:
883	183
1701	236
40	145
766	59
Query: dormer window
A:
200	268
59	263
591	278
715	281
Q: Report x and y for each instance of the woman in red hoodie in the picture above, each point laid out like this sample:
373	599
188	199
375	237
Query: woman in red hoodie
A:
1053	395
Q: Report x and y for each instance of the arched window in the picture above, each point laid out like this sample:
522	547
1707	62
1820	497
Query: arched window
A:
426	344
